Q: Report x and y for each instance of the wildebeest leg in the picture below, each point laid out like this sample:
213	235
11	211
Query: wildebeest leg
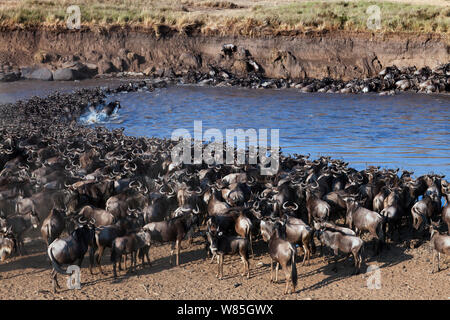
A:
130	270
438	258
147	254
114	269
356	257
251	243
306	254
212	258
80	261
287	277
172	246
271	270
99	258
335	253
20	244
220	257
54	280
178	247
91	259
246	264
276	272
120	262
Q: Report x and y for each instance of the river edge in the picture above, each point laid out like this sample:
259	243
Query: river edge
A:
316	61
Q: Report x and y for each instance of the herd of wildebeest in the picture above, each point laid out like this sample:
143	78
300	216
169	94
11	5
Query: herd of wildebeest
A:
89	189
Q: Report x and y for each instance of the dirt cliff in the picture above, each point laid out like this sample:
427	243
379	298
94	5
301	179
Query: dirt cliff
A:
339	55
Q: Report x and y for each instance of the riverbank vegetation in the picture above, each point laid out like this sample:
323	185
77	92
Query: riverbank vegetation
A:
234	17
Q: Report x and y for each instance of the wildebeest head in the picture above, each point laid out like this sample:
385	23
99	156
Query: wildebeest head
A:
34	219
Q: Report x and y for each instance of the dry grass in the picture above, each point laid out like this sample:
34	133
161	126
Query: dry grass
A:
242	17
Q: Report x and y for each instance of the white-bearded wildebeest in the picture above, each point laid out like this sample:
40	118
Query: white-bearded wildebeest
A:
53	225
423	210
362	219
7	245
221	245
439	244
173	230
129	244
318	210
19	224
293	230
446	217
338	241
101	216
104	237
70	249
282	252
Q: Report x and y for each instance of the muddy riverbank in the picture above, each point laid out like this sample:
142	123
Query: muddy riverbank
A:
311	61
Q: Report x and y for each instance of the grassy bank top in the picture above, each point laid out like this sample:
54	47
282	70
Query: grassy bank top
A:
236	17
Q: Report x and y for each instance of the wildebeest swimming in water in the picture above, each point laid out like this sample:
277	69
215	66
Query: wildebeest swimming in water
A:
111	107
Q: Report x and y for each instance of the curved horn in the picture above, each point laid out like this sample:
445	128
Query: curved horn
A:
196	211
82	220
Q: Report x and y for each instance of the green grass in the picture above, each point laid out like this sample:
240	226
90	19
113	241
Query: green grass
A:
232	17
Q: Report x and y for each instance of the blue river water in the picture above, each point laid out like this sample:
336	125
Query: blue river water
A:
407	131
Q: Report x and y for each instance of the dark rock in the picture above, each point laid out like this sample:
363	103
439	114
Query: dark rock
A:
26	72
42	74
65	74
9	76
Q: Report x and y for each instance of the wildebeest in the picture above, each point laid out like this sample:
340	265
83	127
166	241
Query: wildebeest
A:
129	244
439	244
221	245
282	252
53	225
70	249
7	246
104	237
101	217
173	230
318	210
293	230
446	217
392	215
19	225
424	210
345	243
362	219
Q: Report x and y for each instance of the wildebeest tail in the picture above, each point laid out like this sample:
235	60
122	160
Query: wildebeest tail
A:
294	275
312	245
382	227
362	253
55	263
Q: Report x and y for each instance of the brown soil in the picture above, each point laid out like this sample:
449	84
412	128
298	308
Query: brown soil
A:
339	55
405	274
